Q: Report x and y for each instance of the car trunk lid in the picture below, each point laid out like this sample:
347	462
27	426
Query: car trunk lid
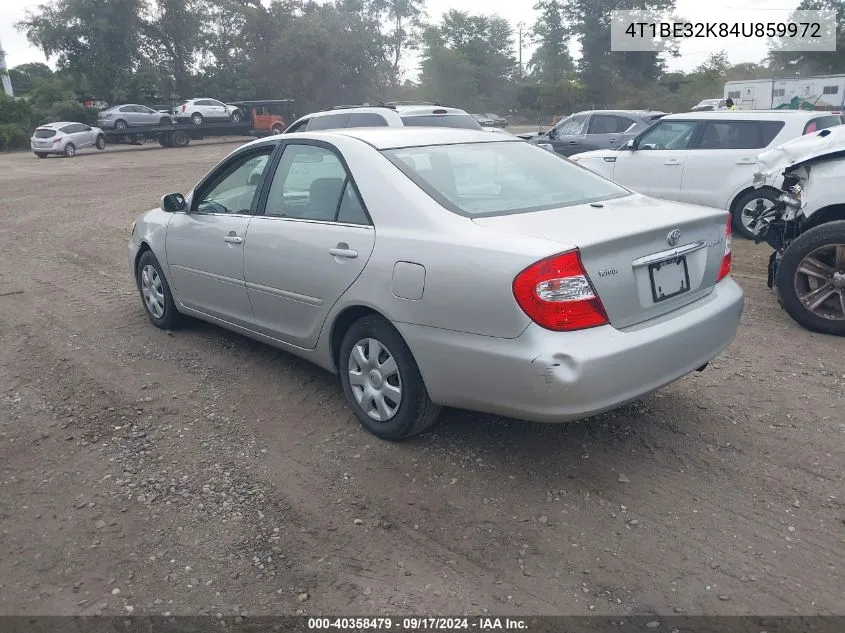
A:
645	257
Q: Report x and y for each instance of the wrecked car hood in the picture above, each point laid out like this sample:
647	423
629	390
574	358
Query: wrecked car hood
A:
827	143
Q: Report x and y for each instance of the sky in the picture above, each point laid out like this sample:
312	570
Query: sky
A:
693	52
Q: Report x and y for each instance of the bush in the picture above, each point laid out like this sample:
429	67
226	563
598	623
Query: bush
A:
13	136
71	111
14	110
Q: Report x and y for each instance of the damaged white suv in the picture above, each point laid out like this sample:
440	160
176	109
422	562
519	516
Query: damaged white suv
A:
806	227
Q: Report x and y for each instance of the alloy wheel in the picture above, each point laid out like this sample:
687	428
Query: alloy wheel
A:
753	210
820	282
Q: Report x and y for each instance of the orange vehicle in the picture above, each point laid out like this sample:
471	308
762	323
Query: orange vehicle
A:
268	116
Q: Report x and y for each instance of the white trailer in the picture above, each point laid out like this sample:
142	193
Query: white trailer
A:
823	91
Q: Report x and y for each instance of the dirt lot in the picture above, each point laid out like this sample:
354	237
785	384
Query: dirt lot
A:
200	472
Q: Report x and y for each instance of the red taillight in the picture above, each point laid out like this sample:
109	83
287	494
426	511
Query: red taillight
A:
58	139
184	107
556	294
726	258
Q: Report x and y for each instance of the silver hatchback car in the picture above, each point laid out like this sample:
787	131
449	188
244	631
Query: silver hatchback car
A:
65	138
443	267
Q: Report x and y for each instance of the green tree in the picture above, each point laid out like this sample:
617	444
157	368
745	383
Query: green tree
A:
468	59
95	39
551	63
172	38
813	62
23	75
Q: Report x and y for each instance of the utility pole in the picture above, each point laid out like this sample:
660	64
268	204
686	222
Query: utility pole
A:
520	27
4	75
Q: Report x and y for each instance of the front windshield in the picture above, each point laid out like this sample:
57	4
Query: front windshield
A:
479	179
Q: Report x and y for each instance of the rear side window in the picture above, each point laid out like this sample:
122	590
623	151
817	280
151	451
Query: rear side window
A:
297	127
738	134
328	122
822	123
463	121
608	124
44	133
366	119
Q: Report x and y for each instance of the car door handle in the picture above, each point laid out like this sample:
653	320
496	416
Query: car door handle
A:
673	161
613	140
746	161
573	142
233	239
343	250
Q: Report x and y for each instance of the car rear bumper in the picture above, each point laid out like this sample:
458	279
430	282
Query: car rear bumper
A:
549	376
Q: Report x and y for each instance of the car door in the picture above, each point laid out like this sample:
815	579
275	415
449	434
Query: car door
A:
217	109
655	166
723	159
81	135
567	138
605	131
147	116
205	245
309	242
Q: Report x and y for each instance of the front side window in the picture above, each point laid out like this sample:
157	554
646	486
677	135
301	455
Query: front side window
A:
297	127
478	179
366	119
234	188
572	125
311	183
329	122
667	135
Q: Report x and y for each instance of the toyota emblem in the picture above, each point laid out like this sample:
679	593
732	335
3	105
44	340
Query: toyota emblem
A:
674	237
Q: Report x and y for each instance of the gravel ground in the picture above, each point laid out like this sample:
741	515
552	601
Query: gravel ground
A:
200	472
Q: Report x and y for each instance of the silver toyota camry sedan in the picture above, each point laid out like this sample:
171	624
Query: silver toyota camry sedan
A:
443	267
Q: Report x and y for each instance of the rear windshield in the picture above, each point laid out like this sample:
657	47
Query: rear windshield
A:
442	120
822	123
44	133
482	179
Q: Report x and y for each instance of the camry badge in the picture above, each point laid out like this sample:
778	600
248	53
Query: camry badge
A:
674	237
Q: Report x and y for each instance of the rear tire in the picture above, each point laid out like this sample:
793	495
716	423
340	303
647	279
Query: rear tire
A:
165	139
820	251
155	294
377	369
120	124
164	121
748	206
70	150
101	142
180	139
196	118
41	154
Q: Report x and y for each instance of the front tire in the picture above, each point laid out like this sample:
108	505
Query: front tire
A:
70	150
196	118
41	154
748	207
810	279
101	142
381	381
236	117
155	294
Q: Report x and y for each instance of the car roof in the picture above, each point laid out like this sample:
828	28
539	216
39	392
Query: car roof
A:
400	109
634	112
746	114
58	124
399	136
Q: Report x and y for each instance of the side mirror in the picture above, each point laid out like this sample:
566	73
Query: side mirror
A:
631	145
552	133
173	202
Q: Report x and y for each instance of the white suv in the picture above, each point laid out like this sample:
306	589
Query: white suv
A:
198	111
707	158
383	115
